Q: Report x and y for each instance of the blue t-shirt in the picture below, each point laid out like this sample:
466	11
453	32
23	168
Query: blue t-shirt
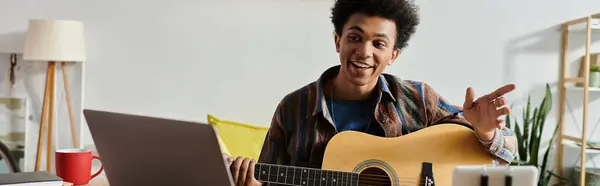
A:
355	115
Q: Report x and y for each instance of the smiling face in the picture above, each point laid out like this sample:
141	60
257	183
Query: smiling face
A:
366	47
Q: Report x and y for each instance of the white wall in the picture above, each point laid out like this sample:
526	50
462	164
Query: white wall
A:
237	59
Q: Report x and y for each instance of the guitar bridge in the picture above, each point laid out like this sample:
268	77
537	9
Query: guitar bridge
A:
427	174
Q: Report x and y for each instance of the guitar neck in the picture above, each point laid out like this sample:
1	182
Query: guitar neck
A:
290	175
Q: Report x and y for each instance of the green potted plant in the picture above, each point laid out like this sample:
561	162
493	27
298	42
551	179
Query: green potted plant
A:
529	133
594	76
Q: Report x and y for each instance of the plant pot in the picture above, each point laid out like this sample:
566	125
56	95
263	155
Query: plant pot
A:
594	79
592	177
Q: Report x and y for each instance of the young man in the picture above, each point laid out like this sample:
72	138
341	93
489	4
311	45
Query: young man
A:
356	95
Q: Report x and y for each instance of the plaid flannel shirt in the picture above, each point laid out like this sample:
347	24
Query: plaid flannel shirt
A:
302	126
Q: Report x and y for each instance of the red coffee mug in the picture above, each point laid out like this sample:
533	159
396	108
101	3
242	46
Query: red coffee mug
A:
75	165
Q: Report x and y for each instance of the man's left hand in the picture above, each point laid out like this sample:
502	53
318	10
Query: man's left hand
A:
485	113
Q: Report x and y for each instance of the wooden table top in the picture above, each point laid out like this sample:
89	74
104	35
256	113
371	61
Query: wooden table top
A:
98	181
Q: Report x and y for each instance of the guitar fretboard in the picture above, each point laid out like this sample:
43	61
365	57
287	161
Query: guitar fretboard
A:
289	175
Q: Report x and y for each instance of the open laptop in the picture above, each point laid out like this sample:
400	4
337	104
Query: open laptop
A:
141	150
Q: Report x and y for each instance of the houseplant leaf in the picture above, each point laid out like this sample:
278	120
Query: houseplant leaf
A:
540	120
545	159
547	103
522	149
526	121
530	138
533	138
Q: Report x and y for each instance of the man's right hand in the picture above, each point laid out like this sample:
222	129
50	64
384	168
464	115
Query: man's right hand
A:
242	170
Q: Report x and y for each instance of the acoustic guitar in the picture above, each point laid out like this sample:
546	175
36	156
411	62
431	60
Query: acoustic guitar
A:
423	158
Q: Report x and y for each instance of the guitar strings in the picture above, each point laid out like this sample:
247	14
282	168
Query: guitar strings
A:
256	171
353	174
380	177
375	178
363	181
363	178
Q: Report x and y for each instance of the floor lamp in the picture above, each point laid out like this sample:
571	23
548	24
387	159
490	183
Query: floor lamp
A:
55	42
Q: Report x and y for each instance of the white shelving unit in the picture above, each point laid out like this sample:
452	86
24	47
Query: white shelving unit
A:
590	89
579	25
586	25
574	145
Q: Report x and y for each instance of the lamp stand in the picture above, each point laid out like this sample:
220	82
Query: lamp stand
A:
48	111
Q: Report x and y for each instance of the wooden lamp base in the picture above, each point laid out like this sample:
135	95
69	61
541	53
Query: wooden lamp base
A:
48	111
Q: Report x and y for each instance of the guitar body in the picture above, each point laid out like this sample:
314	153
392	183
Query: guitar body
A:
425	157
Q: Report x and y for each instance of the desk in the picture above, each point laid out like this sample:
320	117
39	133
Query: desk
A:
99	180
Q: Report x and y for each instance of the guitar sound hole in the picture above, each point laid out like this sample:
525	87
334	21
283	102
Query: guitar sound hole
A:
374	176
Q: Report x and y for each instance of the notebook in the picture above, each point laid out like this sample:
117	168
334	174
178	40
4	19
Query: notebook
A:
30	178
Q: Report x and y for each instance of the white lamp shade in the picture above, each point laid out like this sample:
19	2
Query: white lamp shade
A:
54	40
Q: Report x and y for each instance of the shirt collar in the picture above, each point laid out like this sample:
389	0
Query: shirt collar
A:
331	73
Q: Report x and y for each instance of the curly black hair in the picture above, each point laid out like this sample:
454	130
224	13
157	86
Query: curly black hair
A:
403	12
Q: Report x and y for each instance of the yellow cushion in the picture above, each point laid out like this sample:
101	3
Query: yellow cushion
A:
224	148
240	139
